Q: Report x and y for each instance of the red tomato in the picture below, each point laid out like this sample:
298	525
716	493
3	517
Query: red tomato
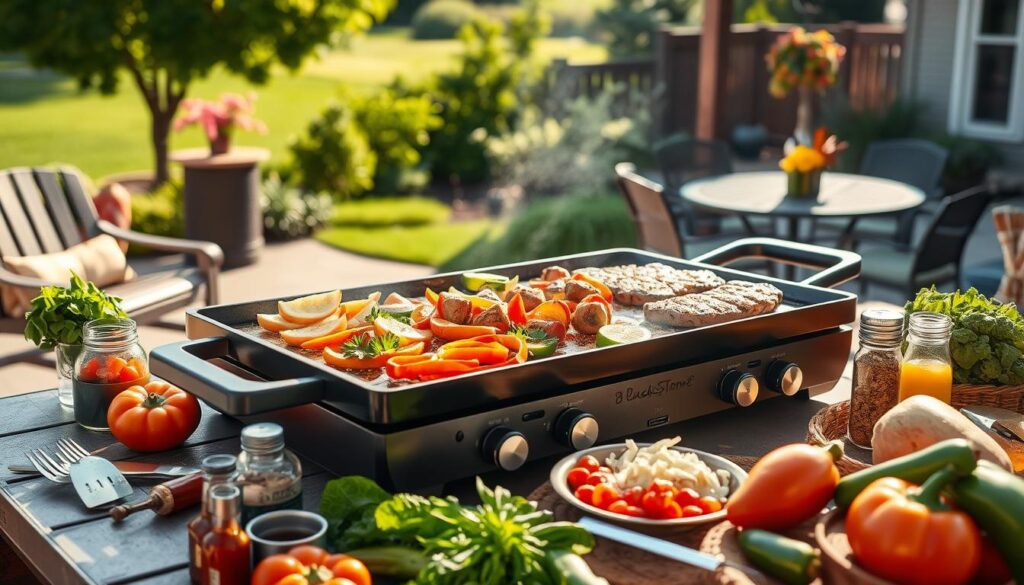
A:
709	504
619	507
635	511
90	370
605	495
687	497
585	494
691	511
596	478
349	568
110	371
128	374
589	462
662	486
305	565
576	477
653	503
672	510
634	496
154	417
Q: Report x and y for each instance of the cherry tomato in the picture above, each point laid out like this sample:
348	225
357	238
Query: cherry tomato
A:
687	497
653	503
128	374
351	568
589	462
635	511
596	478
90	370
110	371
672	510
662	486
634	496
604	495
576	477
691	511
585	494
619	507
709	504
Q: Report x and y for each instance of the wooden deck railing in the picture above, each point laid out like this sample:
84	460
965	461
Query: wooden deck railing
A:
869	77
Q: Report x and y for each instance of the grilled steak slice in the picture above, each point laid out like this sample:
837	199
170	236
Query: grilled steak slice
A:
734	300
635	285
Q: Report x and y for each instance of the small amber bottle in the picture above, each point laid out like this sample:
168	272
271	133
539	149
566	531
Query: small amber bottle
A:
226	546
217	469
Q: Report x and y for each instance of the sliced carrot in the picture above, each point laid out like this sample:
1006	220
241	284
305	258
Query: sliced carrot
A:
483	354
335	339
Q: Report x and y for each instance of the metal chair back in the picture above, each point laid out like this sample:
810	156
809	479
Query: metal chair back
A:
913	161
655	226
44	211
945	239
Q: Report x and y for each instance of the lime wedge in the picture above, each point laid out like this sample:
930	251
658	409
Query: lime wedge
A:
474	281
542	348
621	333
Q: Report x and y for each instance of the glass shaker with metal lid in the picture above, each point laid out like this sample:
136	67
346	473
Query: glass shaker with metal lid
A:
876	372
271	476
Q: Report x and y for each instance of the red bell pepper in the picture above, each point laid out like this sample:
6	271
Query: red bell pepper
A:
517	310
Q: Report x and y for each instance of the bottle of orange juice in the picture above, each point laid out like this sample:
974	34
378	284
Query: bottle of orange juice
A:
926	367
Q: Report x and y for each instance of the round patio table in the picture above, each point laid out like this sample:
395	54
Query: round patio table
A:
841	195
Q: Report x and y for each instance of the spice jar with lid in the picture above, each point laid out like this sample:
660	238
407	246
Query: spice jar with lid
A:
927	367
876	372
111	360
226	547
270	475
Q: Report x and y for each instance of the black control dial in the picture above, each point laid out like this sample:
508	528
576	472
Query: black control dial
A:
784	377
576	428
739	388
506	448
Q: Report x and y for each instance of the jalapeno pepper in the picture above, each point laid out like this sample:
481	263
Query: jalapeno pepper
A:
790	561
995	500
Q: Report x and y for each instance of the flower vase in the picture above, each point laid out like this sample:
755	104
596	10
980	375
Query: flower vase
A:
220	145
804	114
803	185
65	356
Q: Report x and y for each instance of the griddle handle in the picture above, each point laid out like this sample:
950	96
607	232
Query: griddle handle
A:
185	364
838	266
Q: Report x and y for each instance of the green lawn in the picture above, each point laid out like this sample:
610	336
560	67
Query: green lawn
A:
44	118
431	244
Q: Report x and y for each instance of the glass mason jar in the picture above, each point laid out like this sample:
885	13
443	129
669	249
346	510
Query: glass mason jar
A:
270	475
65	355
876	372
927	368
111	361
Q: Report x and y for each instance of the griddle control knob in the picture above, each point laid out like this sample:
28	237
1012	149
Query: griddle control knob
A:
508	449
739	388
784	377
576	428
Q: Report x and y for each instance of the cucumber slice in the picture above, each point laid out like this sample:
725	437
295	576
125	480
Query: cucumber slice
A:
474	281
618	333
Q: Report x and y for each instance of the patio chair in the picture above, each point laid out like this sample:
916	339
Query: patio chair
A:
912	161
47	211
936	260
682	160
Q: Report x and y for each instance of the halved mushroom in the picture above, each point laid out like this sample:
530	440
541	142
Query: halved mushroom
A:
577	290
591	316
554	273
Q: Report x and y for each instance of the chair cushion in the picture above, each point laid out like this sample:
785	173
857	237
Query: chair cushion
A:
97	259
889	266
158	288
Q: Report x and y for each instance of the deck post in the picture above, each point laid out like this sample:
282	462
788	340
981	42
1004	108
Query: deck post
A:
711	69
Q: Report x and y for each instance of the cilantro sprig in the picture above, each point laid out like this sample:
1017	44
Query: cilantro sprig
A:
58	313
367	347
377	313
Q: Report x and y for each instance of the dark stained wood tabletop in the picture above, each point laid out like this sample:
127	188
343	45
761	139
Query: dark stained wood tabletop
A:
61	542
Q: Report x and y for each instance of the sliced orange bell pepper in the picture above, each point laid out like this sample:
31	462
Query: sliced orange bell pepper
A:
431	296
336	359
517	310
335	339
352	308
427	366
518	350
448	330
601	287
552	311
484	353
594	298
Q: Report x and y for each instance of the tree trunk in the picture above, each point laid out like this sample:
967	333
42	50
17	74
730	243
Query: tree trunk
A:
161	127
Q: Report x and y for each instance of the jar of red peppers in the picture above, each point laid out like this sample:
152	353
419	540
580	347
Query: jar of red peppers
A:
111	361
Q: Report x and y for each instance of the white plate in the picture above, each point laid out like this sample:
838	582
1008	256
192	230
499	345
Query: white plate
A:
561	470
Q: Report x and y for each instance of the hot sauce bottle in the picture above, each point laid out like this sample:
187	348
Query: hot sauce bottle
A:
226	546
217	470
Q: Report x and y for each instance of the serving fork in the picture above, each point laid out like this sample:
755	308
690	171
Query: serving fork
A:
68	451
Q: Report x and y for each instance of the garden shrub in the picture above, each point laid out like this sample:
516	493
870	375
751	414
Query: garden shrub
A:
397	126
160	213
290	213
552	227
968	163
334	155
442	19
628	27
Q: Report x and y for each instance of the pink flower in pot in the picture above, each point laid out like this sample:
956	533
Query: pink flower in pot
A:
219	118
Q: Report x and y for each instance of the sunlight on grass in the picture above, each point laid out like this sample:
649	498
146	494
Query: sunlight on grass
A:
432	244
388	211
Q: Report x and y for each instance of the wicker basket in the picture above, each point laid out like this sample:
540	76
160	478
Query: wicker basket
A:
830	423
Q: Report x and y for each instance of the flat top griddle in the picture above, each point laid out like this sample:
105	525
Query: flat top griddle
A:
294	376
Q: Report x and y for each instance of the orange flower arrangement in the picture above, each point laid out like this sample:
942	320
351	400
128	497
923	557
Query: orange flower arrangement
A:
822	153
799	58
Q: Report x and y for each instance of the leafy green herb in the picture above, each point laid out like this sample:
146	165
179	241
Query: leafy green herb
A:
367	346
58	313
525	334
349	504
377	313
987	340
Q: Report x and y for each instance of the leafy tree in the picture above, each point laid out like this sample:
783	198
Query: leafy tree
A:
807	11
164	45
628	26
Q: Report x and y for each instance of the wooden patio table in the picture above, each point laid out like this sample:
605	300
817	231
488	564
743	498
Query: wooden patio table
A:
63	543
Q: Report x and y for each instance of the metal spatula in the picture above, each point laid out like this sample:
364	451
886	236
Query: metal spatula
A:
98	482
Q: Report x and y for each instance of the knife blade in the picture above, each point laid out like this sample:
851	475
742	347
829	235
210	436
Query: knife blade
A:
998	423
664	548
129	468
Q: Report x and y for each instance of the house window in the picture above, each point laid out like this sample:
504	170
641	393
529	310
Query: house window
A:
988	79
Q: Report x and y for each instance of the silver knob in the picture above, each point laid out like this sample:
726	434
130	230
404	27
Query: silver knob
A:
576	428
508	449
784	377
739	388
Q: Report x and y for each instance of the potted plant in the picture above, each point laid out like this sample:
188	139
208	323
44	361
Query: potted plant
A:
55	322
219	118
804	61
804	164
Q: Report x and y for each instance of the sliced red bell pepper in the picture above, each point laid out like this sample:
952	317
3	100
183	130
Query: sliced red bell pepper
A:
517	310
601	287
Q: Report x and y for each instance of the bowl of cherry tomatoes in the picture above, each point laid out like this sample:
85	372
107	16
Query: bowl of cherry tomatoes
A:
654	496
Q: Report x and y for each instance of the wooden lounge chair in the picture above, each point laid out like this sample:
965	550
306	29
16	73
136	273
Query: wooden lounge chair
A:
47	210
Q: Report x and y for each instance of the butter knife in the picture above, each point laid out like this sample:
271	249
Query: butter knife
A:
1000	424
128	468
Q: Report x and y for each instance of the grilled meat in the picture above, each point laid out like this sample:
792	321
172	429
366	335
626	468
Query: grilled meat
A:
591	316
554	289
493	317
577	290
549	327
635	285
455	308
487	293
531	296
734	300
554	273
